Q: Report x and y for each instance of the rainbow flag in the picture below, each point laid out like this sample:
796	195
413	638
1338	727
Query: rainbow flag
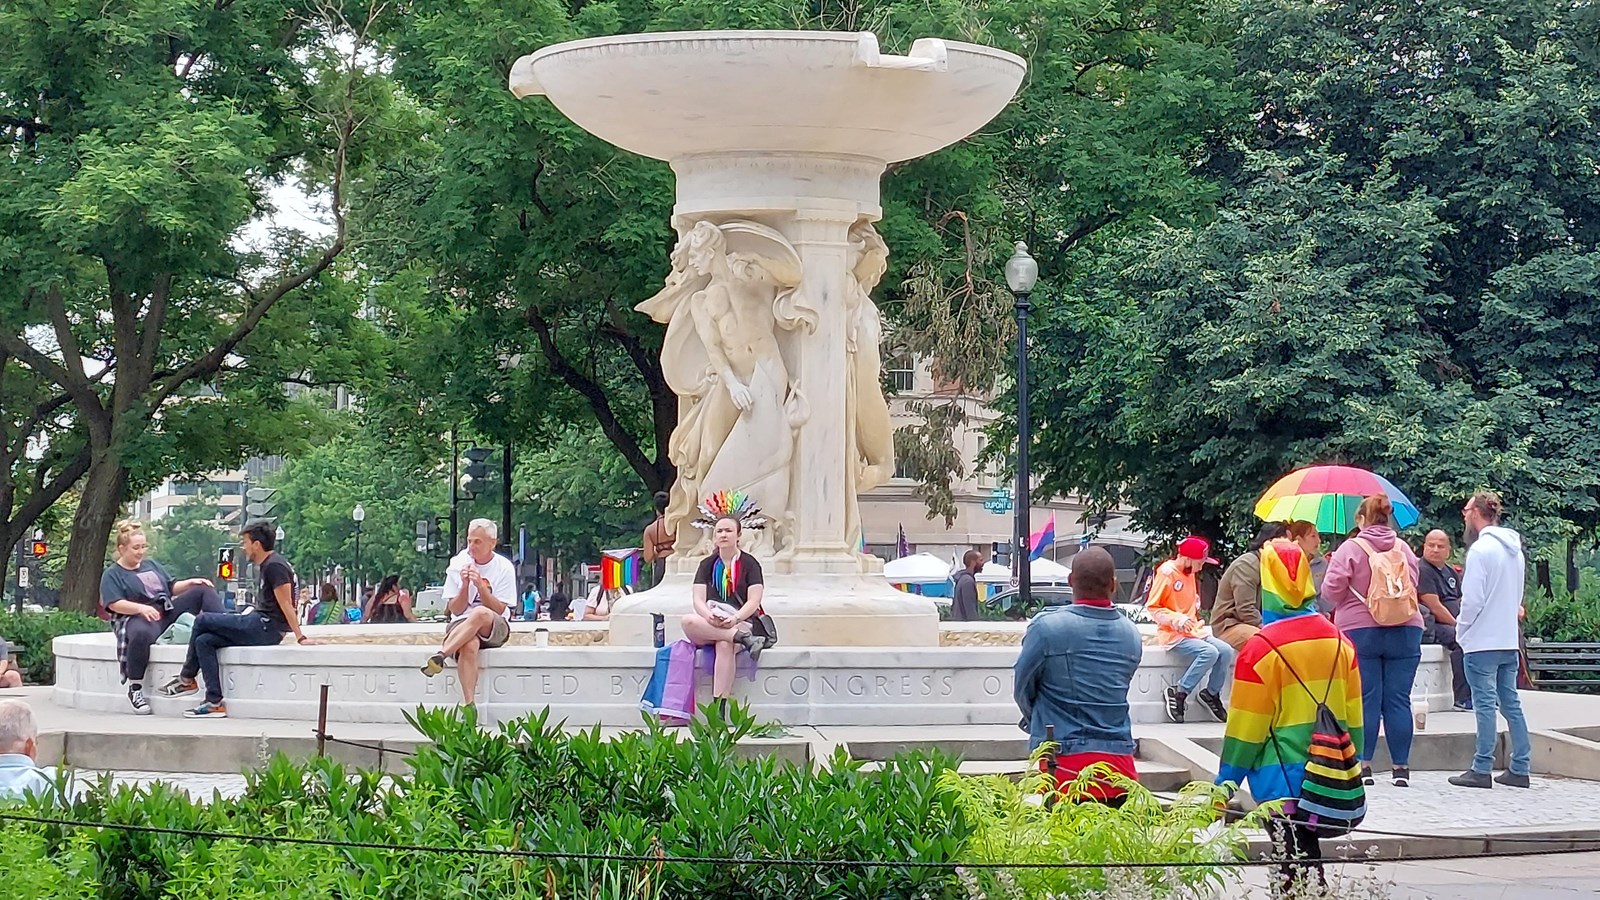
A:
619	569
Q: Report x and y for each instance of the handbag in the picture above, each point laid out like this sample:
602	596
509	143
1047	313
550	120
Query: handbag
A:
762	626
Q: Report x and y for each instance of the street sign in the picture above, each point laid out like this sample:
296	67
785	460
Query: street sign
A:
257	502
999	501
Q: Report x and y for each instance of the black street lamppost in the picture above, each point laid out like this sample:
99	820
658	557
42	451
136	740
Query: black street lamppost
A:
1022	271
358	515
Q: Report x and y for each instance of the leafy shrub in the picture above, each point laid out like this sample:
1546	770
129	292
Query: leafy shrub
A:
1564	617
1010	824
535	788
35	631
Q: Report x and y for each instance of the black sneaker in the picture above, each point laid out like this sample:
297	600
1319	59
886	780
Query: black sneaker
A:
1402	776
1212	701
1176	701
1366	774
137	700
1510	780
1472	779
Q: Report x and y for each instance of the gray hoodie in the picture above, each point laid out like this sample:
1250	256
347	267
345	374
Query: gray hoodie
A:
1491	591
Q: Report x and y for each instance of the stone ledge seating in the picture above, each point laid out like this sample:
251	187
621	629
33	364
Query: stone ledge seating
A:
373	676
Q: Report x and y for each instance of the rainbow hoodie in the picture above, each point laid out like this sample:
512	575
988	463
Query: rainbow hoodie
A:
1270	715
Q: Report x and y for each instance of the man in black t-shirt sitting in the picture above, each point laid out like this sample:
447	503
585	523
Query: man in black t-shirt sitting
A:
1439	595
274	614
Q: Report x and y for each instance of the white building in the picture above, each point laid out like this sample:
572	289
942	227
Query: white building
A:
887	509
225	489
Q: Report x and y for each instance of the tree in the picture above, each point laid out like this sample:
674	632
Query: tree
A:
1402	275
318	490
578	498
186	540
141	140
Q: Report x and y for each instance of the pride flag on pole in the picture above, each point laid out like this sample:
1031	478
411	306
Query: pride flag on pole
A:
1042	539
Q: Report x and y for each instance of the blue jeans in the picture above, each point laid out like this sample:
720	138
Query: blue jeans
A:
1204	654
1493	677
1388	657
214	631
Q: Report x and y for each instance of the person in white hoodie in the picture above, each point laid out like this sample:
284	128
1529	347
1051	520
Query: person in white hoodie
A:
1491	596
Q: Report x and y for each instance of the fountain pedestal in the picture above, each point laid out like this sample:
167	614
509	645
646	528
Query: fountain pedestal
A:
778	140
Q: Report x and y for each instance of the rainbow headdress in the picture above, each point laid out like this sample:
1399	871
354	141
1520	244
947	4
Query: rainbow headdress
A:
735	504
1285	581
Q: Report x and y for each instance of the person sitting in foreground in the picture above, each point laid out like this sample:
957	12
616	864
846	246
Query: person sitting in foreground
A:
20	774
728	588
262	626
144	601
1073	674
1175	605
480	586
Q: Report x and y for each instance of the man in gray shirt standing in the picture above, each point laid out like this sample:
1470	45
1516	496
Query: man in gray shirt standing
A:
964	605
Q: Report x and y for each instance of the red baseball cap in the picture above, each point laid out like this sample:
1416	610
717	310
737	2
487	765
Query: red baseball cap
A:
1195	547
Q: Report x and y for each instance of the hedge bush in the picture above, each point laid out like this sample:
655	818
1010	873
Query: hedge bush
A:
1564	617
35	630
531	786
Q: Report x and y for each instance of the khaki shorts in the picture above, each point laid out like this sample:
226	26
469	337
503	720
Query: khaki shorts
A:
499	632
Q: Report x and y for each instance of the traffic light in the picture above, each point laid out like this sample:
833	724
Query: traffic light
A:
1000	553
475	472
225	566
40	549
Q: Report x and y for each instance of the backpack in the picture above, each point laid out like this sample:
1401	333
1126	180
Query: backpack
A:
1332	800
1392	594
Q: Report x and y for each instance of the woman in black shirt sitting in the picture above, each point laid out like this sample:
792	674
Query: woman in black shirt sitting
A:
727	594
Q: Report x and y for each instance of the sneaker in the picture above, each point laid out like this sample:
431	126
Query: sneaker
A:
1366	774
1176	701
1473	779
1510	780
137	700
434	665
754	645
207	710
1402	776
1464	706
178	687
1213	702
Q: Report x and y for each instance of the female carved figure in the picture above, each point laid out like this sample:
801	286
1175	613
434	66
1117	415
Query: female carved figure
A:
738	412
871	439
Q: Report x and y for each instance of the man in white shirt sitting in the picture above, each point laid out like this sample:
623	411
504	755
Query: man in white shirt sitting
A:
479	588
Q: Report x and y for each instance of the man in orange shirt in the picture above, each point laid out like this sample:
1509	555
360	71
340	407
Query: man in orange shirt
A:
1175	605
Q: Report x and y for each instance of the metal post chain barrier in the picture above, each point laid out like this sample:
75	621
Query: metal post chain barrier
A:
661	858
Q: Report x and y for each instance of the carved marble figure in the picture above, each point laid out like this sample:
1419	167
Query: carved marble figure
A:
871	438
731	287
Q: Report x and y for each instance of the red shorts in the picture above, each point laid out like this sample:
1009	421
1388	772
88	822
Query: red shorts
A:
1069	765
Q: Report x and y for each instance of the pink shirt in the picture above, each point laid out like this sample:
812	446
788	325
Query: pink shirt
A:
1349	571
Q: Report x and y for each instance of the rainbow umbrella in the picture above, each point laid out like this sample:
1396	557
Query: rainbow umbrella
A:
1328	497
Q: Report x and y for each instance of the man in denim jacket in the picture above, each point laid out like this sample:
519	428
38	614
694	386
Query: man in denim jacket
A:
1074	671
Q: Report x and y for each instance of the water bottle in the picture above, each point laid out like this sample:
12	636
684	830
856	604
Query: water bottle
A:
660	623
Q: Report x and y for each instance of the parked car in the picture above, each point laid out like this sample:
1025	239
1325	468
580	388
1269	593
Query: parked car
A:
1007	604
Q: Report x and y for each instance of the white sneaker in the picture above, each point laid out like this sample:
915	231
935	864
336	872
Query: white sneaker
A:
136	699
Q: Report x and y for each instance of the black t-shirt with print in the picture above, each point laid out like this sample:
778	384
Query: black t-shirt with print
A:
275	571
746	573
1442	580
149	584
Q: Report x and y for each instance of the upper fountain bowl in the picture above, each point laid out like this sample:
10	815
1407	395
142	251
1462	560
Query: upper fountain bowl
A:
678	94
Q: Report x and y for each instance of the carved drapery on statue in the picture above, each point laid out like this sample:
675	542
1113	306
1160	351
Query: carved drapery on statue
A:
870	432
731	288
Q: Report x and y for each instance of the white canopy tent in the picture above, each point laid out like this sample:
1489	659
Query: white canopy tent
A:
1040	571
920	568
